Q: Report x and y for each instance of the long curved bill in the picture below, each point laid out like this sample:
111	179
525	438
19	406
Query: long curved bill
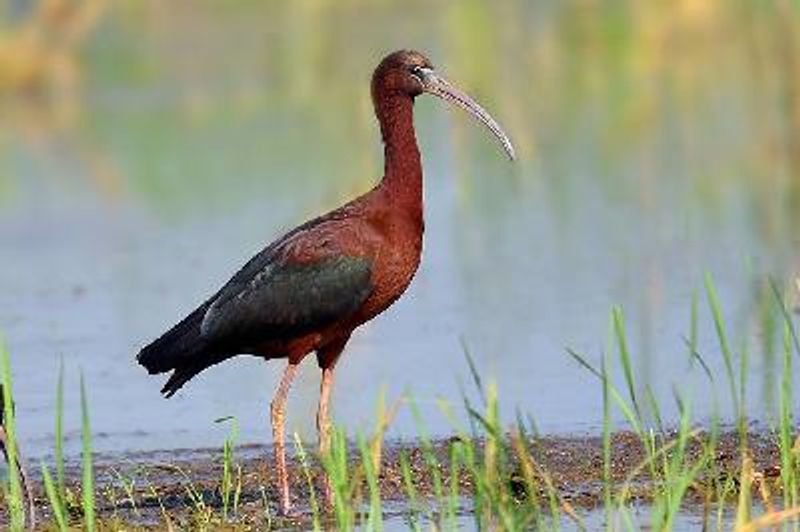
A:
440	87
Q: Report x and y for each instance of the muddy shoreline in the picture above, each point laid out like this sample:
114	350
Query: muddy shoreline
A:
181	486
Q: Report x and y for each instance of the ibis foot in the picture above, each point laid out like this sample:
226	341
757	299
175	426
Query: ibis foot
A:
327	494
287	511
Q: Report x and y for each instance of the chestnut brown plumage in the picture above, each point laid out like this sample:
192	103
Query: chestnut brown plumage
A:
307	291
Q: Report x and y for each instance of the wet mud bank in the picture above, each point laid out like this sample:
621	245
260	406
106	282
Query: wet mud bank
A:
184	488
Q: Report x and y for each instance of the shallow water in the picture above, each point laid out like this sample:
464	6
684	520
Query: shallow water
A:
592	520
192	138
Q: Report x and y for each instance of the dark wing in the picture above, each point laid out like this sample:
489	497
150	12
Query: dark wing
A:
275	298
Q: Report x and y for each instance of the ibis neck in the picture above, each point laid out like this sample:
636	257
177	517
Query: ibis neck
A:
402	179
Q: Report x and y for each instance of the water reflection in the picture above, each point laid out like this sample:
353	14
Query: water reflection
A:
657	142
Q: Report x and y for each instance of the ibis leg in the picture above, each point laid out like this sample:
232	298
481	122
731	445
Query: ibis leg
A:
278	415
324	425
323	419
327	358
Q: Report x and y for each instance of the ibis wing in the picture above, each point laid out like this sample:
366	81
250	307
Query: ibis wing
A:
273	298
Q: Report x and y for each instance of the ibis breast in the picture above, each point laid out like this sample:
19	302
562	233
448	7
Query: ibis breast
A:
396	258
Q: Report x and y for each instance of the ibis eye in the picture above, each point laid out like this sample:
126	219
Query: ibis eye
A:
417	72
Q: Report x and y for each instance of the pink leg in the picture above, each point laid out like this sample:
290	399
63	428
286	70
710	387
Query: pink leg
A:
327	358
324	425
323	421
277	411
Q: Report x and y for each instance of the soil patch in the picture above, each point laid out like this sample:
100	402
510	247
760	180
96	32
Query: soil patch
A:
183	486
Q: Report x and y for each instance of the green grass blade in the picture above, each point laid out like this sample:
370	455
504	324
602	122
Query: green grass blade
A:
473	370
303	457
654	407
627	411
87	488
55	500
15	497
607	446
787	317
788	459
694	355
452	502
693	320
580	359
375	519
428	454
727	354
411	492
625	357
59	433
744	374
229	487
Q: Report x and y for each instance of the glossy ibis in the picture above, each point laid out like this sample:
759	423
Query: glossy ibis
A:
307	291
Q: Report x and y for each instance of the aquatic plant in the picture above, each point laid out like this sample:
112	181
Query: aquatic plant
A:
87	465
56	491
231	485
12	488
